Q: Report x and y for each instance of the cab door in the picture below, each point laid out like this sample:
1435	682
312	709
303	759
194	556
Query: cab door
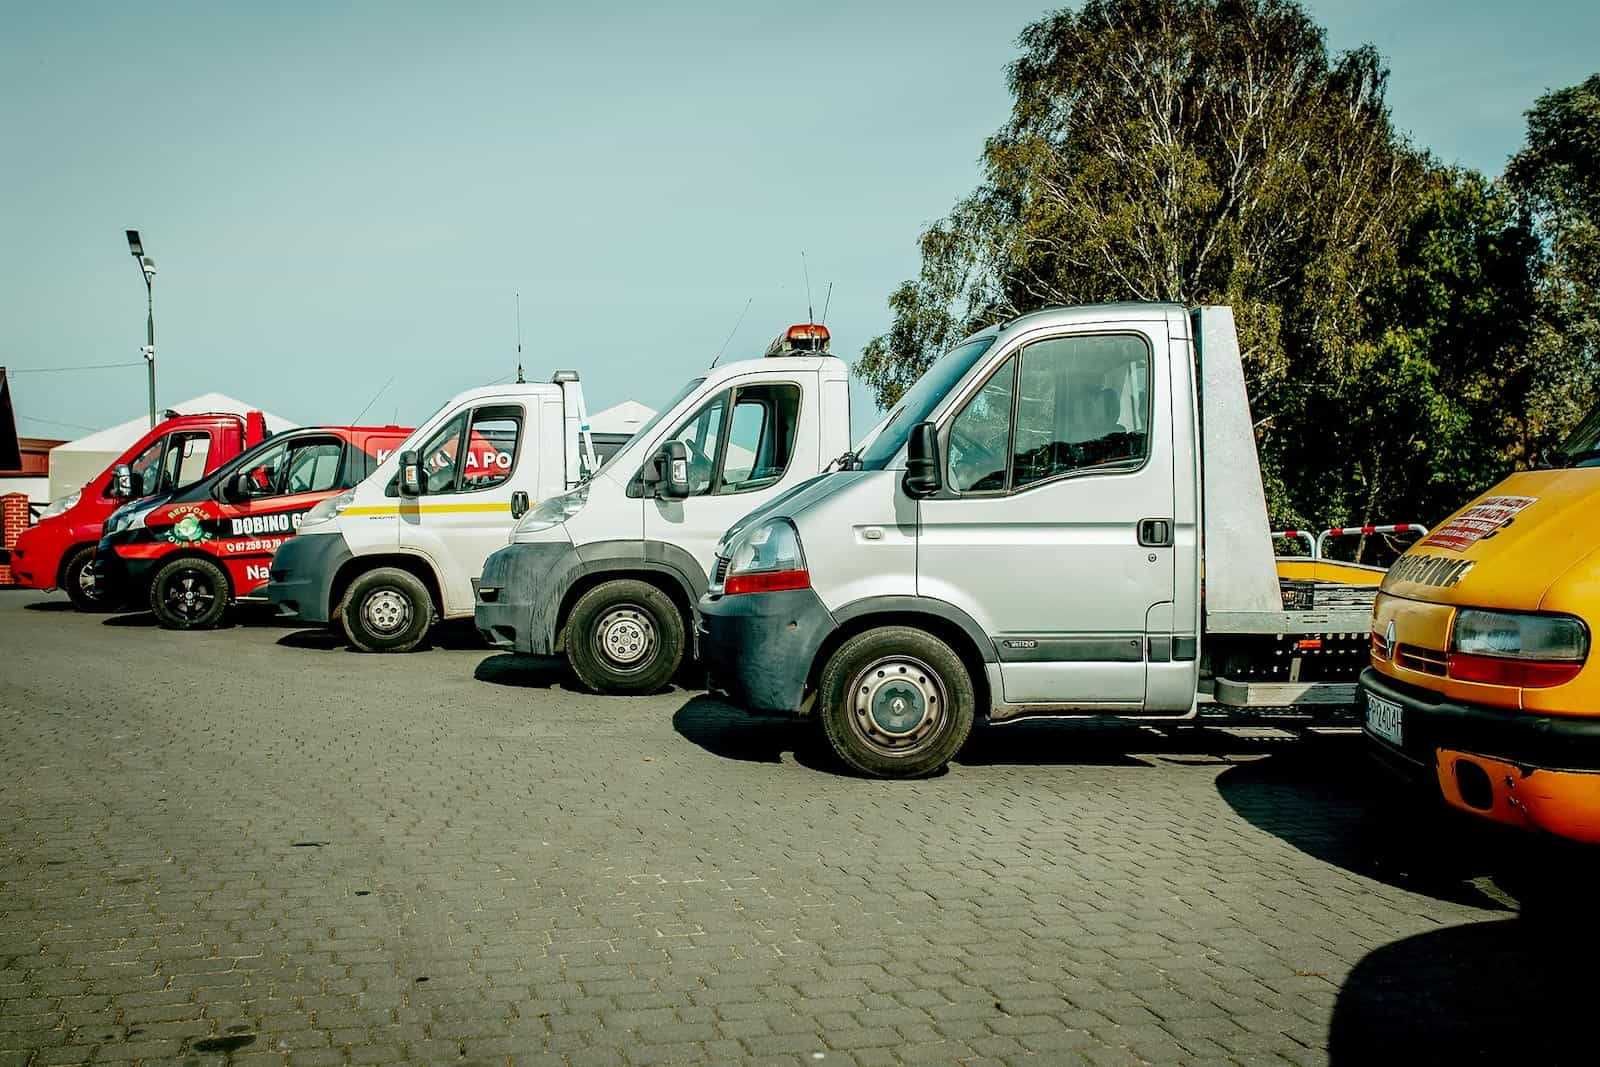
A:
1053	530
283	484
471	465
746	444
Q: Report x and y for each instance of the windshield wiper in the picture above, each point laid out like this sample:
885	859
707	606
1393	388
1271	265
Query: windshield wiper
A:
850	461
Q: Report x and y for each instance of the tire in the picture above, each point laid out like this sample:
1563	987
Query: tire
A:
386	610
625	638
190	594
82	587
923	695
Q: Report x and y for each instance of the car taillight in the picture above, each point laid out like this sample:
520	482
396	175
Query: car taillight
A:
1530	651
767	559
769	582
1501	670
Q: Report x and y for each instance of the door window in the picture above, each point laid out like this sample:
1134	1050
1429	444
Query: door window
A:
1083	402
146	468
760	437
491	447
264	471
314	467
439	457
186	459
980	436
701	434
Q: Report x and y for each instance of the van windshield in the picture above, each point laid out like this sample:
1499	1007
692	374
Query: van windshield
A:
644	431
1582	446
920	400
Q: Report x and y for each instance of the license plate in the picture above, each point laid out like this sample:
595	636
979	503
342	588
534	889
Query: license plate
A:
1384	719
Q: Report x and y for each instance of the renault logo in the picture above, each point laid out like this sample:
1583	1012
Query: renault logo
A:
1388	640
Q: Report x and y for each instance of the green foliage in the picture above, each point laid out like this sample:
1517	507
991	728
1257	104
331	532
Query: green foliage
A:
1396	331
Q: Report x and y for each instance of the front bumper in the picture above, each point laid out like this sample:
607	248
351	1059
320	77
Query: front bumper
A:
759	647
33	565
1528	770
300	578
127	579
517	597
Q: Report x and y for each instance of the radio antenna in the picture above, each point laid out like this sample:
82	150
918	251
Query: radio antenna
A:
731	332
357	420
519	338
825	302
810	315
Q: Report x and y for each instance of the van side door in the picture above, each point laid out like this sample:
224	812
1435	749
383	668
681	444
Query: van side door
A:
1054	527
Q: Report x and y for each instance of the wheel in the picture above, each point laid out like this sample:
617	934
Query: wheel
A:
189	594
624	637
386	610
896	702
83	588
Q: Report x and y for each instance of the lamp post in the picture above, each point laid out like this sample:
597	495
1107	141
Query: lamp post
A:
147	267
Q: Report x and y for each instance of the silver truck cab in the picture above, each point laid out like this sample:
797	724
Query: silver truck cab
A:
1020	537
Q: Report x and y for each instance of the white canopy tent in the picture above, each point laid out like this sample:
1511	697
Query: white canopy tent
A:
73	464
625	417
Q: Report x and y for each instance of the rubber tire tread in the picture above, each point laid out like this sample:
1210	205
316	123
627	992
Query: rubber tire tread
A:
361	637
219	606
69	583
587	664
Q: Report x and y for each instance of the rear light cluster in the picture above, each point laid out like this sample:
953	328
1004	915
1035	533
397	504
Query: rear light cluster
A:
766	560
1519	649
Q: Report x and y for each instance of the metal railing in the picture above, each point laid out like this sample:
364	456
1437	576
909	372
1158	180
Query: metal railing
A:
1316	543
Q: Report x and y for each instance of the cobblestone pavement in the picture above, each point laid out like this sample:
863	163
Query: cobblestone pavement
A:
254	845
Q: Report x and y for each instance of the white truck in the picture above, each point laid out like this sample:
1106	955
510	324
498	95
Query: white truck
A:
406	545
1063	516
607	574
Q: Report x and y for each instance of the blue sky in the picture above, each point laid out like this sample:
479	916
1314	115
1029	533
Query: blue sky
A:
338	194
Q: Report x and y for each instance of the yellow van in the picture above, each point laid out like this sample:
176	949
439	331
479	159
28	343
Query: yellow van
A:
1481	677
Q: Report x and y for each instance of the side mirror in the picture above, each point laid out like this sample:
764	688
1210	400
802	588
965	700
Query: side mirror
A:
922	476
411	482
239	487
672	471
519	504
121	485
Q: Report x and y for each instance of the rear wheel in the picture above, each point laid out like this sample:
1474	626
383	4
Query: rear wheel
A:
189	594
625	637
896	702
386	610
83	586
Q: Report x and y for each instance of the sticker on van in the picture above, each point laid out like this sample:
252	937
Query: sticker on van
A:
1483	519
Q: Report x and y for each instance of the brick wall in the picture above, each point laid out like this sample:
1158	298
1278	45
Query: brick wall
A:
13	520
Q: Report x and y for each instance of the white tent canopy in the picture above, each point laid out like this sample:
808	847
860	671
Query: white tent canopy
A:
75	463
625	417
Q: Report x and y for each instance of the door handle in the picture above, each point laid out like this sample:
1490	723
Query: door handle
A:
1155	533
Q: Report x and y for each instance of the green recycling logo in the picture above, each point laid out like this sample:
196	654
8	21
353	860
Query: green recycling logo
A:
188	530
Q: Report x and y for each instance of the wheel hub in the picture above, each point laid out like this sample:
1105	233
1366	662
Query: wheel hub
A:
897	704
386	611
191	595
86	582
626	637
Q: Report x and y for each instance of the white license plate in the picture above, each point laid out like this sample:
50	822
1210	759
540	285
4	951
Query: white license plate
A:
1383	719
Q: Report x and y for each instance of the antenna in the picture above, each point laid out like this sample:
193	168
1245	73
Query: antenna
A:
357	420
731	332
810	315
825	302
519	339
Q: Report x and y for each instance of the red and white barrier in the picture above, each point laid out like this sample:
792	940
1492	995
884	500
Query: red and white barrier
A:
1365	531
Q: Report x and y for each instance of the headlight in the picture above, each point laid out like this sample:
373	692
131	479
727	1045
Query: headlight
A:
1526	650
766	560
126	519
329	508
58	506
557	509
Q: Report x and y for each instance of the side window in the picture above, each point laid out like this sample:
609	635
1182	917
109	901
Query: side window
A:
439	456
980	436
760	437
701	434
265	471
1083	402
192	452
146	468
314	467
491	447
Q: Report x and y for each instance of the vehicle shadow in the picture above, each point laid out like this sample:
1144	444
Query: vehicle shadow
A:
1502	991
1112	743
49	605
453	636
724	730
523	672
135	619
1331	802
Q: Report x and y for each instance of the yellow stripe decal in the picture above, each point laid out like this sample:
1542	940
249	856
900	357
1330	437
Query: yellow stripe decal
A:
427	509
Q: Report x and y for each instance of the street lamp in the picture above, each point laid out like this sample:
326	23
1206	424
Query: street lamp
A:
147	267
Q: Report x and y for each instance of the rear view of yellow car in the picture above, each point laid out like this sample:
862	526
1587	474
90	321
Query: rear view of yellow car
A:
1482	676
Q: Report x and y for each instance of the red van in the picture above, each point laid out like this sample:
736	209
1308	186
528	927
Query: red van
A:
56	552
193	553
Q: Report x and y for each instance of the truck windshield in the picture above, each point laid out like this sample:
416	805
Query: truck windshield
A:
921	399
1582	446
666	409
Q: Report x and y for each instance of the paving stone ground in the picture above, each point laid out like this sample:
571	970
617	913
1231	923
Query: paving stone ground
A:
254	846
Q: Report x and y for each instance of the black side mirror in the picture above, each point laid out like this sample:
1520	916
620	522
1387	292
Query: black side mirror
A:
922	476
519	504
121	485
672	471
411	480
239	487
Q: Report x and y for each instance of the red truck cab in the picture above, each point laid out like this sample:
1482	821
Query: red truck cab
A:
194	553
58	550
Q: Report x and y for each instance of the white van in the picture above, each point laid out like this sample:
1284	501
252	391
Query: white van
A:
405	545
608	573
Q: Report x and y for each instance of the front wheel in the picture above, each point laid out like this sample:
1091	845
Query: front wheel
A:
189	594
896	702
83	584
624	638
386	610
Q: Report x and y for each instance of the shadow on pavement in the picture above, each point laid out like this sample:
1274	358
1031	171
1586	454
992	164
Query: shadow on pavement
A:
724	730
48	605
1329	801
1506	991
137	618
522	672
1111	743
316	639
452	636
